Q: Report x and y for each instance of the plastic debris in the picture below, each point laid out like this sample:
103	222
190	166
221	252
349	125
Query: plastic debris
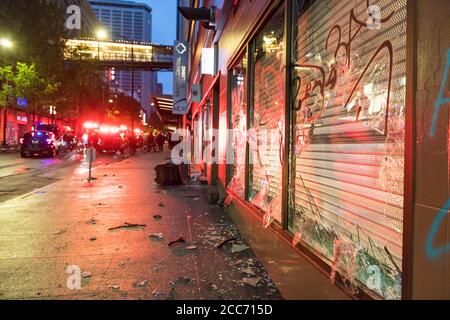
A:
156	235
191	247
236	248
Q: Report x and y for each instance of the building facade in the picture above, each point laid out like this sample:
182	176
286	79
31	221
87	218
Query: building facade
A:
128	20
333	131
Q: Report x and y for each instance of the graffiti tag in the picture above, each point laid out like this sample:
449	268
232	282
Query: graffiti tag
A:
441	100
433	252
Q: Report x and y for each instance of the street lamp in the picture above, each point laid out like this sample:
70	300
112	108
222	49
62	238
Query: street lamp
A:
6	43
101	35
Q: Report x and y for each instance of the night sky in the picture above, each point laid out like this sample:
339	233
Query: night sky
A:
164	31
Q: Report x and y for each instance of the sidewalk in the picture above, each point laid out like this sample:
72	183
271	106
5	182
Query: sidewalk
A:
66	224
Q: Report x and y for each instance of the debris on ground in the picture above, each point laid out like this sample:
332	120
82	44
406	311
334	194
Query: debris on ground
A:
140	284
91	221
183	280
236	248
248	271
115	287
191	247
179	240
191	196
127	225
86	274
157	217
93	238
253	282
156	236
225	242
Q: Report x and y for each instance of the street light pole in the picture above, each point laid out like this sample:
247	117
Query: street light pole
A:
132	90
5	118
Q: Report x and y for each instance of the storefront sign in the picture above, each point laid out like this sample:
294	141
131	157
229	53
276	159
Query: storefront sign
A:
22	119
208	60
22	102
180	73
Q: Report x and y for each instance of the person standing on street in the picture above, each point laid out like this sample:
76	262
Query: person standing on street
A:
160	139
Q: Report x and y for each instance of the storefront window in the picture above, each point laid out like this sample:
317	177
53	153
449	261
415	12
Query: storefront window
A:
266	134
239	126
346	198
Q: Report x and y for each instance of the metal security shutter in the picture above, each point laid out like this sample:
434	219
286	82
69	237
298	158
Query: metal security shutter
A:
347	201
267	120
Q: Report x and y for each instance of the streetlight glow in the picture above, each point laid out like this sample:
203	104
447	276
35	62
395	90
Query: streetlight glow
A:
6	43
102	34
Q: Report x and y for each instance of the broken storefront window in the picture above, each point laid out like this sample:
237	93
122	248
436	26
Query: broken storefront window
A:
346	196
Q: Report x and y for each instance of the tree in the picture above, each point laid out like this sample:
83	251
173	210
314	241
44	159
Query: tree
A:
37	30
29	85
119	110
6	81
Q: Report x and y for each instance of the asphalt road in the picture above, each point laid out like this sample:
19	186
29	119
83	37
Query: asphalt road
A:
19	176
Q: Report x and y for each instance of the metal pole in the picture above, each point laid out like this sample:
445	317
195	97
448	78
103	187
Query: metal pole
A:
5	119
132	91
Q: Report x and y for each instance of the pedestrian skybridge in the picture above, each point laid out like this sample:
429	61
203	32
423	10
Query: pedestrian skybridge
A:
121	54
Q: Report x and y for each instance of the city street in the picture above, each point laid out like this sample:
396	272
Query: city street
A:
19	176
65	222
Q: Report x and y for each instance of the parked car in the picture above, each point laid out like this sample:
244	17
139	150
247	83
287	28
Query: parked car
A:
38	143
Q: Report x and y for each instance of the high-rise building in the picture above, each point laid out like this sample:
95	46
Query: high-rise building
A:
128	20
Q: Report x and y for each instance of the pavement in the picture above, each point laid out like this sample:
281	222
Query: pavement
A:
50	235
